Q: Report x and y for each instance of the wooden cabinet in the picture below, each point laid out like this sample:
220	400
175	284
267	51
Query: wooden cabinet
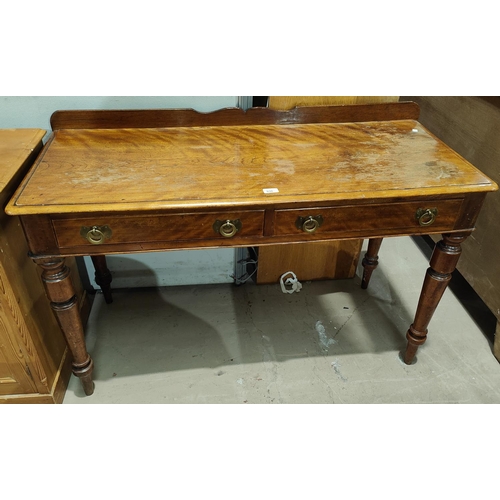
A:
35	364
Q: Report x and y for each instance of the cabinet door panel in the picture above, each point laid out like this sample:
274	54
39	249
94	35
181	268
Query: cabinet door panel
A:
14	371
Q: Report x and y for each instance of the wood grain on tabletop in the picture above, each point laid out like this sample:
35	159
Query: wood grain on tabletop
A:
314	260
212	166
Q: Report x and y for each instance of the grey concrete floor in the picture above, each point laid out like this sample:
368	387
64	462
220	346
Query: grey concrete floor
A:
330	343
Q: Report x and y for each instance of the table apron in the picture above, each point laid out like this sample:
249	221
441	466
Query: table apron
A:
63	235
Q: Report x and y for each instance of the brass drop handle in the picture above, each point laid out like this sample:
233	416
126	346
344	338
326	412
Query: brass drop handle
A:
96	234
309	224
426	216
227	228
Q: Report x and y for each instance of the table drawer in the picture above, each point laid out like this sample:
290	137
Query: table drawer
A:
350	220
157	228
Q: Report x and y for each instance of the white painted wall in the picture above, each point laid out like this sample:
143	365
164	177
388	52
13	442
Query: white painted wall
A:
34	112
148	269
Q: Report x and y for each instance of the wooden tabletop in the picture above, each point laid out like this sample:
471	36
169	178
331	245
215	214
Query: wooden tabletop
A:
96	170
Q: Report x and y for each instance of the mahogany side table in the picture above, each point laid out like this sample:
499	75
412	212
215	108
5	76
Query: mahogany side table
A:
149	180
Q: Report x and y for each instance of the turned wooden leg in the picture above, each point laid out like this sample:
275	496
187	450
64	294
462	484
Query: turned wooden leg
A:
443	262
370	261
64	303
103	276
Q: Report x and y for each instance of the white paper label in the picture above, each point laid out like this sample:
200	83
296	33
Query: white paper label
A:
271	190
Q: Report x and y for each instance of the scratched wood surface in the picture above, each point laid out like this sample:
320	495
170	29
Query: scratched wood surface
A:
192	167
314	260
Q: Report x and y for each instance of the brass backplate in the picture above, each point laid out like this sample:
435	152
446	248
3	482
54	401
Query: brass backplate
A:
218	224
101	233
300	221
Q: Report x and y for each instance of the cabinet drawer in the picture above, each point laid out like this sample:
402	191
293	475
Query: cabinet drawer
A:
157	228
351	220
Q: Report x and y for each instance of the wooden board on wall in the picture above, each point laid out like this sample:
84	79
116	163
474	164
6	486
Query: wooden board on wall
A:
309	261
289	102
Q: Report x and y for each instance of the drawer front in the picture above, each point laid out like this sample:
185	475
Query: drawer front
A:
351	220
158	228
